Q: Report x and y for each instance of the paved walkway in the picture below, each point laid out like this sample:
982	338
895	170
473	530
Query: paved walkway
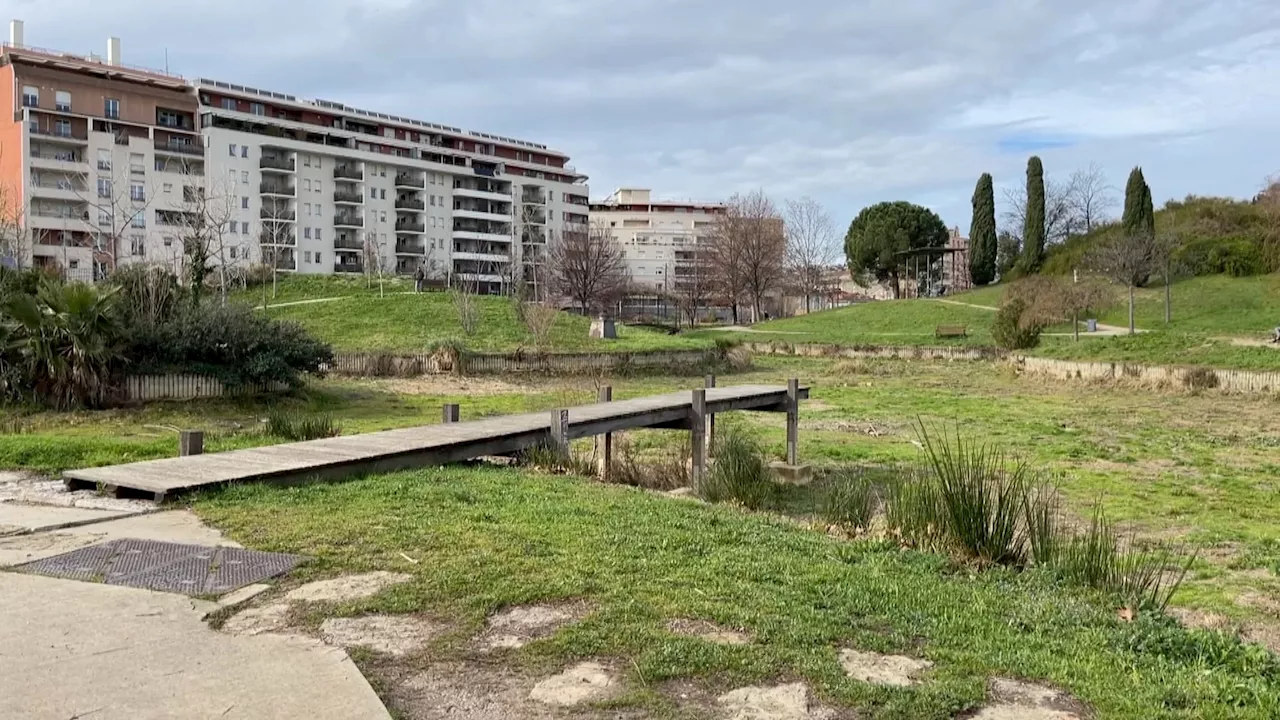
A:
72	649
1103	330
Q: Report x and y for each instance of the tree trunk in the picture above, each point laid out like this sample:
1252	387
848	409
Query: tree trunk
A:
1168	301
1075	324
1131	328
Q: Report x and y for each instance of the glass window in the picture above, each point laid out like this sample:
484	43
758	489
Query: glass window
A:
306	184
231	149
139	220
233	228
244	151
244	228
30	96
306	209
228	104
257	109
318	237
137	192
382	194
111	107
306	256
168	187
244	176
244	203
317	186
168	241
306	233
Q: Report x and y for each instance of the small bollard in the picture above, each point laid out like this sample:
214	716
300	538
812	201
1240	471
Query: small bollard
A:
711	421
698	436
560	432
604	445
450	413
190	442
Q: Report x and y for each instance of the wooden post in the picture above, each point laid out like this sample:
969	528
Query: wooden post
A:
711	422
560	432
450	413
793	420
190	442
698	436
604	445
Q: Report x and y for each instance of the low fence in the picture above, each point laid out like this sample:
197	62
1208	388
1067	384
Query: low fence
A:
144	388
1252	382
389	365
896	352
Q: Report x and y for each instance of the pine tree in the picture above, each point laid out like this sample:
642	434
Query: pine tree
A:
1139	213
982	233
1033	228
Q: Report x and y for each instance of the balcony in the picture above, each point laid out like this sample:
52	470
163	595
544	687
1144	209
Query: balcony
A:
534	216
410	226
409	247
483	236
345	220
62	191
346	197
348	267
347	172
268	213
347	243
68	137
286	263
410	204
277	163
278	238
484	215
281	189
406	180
481	194
533	198
179	148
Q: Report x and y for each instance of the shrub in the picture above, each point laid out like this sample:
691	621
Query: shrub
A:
666	471
1011	331
295	427
148	294
1201	378
739	474
848	499
1143	579
912	510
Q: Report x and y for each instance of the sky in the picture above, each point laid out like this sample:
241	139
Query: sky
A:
850	103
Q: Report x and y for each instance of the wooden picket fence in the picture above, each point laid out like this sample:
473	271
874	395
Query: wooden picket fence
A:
145	388
413	365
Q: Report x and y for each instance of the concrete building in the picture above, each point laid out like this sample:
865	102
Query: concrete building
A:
108	164
661	240
95	157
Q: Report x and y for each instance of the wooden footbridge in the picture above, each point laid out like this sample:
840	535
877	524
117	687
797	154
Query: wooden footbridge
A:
452	441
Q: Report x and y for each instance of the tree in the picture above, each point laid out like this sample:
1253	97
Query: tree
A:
118	208
882	231
1089	197
1050	299
204	219
1033	228
811	246
587	265
1139	213
1128	258
748	251
276	239
1059	221
982	233
1008	247
15	238
693	275
373	257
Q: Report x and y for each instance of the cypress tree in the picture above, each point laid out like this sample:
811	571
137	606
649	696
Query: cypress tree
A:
982	233
1139	213
1033	227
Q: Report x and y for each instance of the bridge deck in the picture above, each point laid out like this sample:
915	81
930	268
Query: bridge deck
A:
333	458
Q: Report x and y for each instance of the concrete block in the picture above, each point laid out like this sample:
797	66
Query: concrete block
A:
603	327
792	474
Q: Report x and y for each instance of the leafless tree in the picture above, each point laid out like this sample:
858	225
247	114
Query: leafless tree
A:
1059	218
1127	259
15	238
463	294
1051	299
204	219
1090	198
748	250
811	247
276	236
373	257
1269	201
693	281
118	207
587	265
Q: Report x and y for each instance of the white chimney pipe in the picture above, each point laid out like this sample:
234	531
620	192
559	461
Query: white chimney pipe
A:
113	51
15	33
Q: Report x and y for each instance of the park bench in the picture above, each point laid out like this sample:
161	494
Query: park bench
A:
943	331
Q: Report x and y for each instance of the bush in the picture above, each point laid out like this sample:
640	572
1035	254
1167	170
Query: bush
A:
148	294
1143	579
848	499
1011	330
1201	378
294	427
229	342
666	471
739	474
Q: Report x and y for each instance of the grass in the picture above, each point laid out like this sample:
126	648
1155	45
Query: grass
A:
891	322
485	539
293	288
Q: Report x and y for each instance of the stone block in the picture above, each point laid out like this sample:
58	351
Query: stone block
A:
792	474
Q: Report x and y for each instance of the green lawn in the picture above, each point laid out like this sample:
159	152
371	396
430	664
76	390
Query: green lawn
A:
295	287
1162	348
486	539
411	322
890	322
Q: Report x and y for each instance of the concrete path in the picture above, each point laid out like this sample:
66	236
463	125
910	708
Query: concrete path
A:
72	649
1103	330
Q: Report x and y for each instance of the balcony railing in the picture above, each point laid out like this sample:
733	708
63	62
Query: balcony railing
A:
277	163
406	180
348	221
287	263
534	198
273	238
346	172
180	148
62	134
410	204
277	189
348	197
345	243
277	215
410	226
344	267
409	247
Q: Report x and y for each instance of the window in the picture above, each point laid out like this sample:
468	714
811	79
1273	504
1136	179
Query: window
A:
317	186
319	209
306	184
433	201
231	149
62	101
382	194
104	159
382	217
306	233
306	256
228	103
169	118
30	96
233	176
62	128
73	264
111	108
137	245
319	164
33	125
244	228
306	208
232	253
139	220
318	233
232	227
382	171
244	176
306	162
318	258
244	151
244	203
257	109
104	218
104	187
373	194
137	192
168	241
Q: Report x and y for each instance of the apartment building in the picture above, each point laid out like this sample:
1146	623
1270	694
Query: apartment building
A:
309	186
660	238
97	159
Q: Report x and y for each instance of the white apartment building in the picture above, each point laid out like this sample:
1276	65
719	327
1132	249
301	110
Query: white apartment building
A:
659	237
325	188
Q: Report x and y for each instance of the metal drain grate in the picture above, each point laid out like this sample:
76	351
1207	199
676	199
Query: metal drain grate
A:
168	567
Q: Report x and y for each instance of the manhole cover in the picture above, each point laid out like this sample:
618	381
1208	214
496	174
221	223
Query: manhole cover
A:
168	567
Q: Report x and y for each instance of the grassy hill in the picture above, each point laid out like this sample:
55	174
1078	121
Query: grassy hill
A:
890	322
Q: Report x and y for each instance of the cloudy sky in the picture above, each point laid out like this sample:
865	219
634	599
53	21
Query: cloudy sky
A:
849	102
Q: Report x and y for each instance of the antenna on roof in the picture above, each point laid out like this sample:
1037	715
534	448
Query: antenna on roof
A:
166	60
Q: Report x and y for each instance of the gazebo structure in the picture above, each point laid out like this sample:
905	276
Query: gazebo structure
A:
933	272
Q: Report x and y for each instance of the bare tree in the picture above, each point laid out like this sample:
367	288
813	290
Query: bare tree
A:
15	238
463	294
587	265
1090	198
693	276
276	236
811	246
1128	259
204	219
374	259
1059	218
748	250
118	207
1050	299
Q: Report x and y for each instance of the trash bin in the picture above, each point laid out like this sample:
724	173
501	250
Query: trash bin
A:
1091	325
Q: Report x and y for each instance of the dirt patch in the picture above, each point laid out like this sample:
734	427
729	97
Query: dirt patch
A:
270	618
877	669
583	683
1022	700
463	691
683	493
518	626
1266	603
347	587
781	702
393	635
708	631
